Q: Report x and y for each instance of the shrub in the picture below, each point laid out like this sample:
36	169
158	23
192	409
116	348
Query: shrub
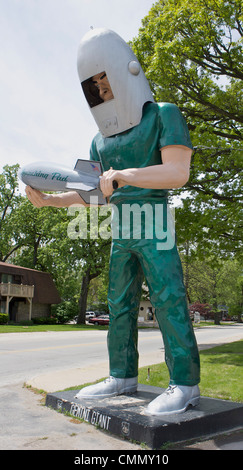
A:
65	311
44	321
3	318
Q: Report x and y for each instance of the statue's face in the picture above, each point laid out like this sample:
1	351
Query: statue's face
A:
102	83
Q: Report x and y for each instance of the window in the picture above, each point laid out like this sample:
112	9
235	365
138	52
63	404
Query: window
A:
6	278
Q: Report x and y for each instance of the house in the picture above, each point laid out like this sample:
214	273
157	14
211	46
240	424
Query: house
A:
146	311
26	293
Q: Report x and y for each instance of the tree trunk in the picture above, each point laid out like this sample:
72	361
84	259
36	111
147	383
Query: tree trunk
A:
217	317
87	277
186	271
217	314
35	254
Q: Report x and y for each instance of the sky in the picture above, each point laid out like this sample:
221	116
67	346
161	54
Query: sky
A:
44	115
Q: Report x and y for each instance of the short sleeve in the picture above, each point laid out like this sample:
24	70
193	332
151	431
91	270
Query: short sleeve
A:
93	154
173	127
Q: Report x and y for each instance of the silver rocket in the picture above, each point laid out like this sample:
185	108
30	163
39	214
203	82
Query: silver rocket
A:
84	178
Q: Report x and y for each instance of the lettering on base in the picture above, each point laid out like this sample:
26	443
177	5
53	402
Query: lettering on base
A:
90	416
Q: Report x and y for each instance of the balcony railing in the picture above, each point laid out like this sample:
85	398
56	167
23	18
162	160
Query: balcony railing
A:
16	290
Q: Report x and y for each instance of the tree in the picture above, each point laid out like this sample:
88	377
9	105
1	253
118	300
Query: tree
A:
49	240
78	252
54	243
213	282
10	240
191	52
95	250
186	46
97	296
23	227
230	287
34	228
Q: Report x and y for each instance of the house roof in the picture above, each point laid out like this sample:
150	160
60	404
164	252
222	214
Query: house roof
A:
45	290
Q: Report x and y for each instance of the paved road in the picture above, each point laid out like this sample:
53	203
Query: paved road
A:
24	424
24	355
27	355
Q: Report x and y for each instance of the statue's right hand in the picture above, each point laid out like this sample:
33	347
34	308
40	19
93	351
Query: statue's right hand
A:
37	198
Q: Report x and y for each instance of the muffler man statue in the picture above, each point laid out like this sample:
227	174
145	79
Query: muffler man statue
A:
145	147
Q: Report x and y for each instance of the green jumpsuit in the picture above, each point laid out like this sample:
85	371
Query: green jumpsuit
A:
133	258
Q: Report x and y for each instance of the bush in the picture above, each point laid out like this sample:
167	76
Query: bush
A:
3	318
203	309
44	321
65	311
24	323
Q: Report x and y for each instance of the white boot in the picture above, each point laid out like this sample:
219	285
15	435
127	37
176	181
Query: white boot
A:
110	387
175	399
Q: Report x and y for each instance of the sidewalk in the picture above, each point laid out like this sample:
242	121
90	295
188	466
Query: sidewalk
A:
228	441
60	380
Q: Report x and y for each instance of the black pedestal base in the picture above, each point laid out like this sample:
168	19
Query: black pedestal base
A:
124	416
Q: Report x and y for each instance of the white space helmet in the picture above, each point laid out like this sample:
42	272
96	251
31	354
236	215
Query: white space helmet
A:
104	52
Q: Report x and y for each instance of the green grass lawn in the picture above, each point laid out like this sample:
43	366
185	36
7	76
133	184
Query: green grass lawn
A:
221	372
31	328
69	327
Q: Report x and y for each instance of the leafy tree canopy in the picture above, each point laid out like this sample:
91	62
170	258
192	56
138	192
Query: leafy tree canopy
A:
191	52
